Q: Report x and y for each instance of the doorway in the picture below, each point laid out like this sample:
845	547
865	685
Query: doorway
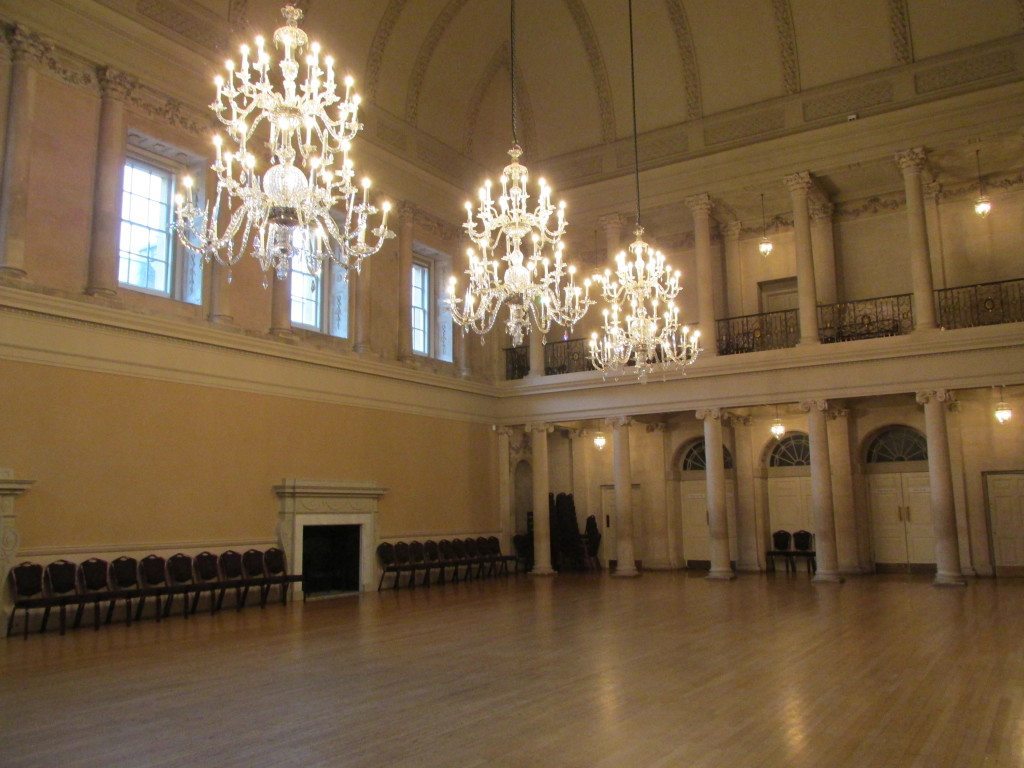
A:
1004	495
522	484
330	559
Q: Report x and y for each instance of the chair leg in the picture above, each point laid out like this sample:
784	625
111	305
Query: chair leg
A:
96	615
78	614
26	624
195	601
138	610
128	610
63	619
10	621
110	610
46	618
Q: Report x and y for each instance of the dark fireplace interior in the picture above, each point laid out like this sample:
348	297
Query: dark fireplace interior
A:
330	558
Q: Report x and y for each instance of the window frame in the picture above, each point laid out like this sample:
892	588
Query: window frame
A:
325	290
426	265
438	265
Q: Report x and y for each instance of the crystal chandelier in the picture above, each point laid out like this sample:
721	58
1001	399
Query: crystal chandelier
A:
1003	412
538	285
644	286
600	441
982	206
305	206
764	247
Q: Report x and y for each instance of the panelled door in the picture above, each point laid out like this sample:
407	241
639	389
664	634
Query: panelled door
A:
901	519
693	495
1006	516
789	504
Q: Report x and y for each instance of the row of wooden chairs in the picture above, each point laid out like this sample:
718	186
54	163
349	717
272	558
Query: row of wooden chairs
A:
63	584
461	556
790	546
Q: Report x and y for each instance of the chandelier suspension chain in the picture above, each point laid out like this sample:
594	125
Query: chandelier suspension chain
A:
512	66
632	83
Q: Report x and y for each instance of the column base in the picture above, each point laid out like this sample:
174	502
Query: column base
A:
222	319
949	580
827	578
631	573
12	273
361	349
810	341
543	572
720	574
281	333
95	290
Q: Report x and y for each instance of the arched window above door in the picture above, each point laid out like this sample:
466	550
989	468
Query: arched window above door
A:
793	450
897	443
695	459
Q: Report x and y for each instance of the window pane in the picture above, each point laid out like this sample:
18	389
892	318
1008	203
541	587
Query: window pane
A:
421	309
145	244
339	302
306	295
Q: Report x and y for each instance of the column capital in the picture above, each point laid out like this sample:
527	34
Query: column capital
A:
821	209
814	405
28	46
699	203
539	427
613	422
503	430
911	160
617	221
406	212
737	418
732	230
939	395
798	183
657	426
115	84
933	191
710	413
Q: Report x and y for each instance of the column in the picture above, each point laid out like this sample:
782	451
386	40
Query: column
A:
580	442
5	93
718	521
361	307
612	224
733	269
841	458
625	551
823	251
109	181
799	185
27	51
541	490
505	486
821	492
10	489
911	163
940	481
406	220
280	304
536	349
932	196
748	542
700	205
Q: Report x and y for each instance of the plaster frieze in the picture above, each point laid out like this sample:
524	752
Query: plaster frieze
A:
814	405
966	71
899	26
163	149
871	206
848	101
444	230
618	422
687	57
715	414
746	126
821	209
946	396
786	35
32	48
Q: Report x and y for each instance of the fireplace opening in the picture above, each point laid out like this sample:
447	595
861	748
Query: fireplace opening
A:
330	559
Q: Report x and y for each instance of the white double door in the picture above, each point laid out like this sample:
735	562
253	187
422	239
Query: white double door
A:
789	504
1006	514
902	532
693	496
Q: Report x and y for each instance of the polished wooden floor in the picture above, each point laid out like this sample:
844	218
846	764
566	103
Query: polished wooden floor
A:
665	670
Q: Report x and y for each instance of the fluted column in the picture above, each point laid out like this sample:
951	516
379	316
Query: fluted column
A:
115	86
27	50
5	94
700	206
844	512
932	195
625	548
940	483
733	269
799	185
823	251
911	162
536	349
280	304
406	222
580	442
718	520
361	307
748	541
508	524
541	489
821	493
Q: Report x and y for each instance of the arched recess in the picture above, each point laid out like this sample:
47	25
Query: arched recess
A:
522	494
498	66
899	498
375	58
687	55
788	470
690	462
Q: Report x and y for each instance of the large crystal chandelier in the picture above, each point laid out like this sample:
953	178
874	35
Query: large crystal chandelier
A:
537	284
305	207
641	329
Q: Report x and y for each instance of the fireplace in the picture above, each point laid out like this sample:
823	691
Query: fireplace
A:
312	504
330	559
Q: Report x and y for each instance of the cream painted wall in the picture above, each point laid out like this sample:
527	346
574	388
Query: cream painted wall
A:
123	460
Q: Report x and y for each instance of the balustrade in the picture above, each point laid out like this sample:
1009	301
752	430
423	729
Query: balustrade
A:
983	304
865	318
756	333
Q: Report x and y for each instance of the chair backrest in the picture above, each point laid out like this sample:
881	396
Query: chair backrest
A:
27	580
61	578
124	572
494	545
459	549
430	551
803	541
206	567
95	575
781	540
273	561
252	564
445	548
179	569
153	571
470	545
402	555
416	551
230	565
386	553
483	546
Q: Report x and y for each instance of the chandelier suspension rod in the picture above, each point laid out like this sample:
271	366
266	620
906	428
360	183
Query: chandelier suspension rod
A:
764	220
977	165
512	66
632	83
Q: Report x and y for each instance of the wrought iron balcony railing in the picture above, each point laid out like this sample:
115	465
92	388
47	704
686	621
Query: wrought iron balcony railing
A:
570	356
982	304
756	333
865	319
517	362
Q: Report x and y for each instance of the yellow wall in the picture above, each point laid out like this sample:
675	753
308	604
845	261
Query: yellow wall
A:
118	459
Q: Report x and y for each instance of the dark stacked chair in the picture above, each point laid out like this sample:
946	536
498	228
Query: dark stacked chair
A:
180	581
448	558
480	556
254	574
207	579
803	546
93	587
124	585
27	586
388	563
153	583
61	584
276	570
403	558
419	563
781	547
231	578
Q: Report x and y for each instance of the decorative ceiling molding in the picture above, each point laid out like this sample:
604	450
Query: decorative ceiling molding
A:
964	71
787	45
501	60
375	58
899	24
195	24
688	57
597	68
427	49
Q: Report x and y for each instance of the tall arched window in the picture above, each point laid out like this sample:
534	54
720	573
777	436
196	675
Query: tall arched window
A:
897	443
695	459
793	450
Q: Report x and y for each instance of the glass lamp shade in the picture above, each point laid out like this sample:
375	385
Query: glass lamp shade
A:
778	429
1003	412
765	247
600	441
983	206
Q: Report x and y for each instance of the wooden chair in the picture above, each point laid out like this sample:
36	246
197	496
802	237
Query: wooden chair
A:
432	557
152	583
207	579
448	558
495	546
254	574
483	549
277	574
803	546
231	578
419	562
93	587
27	591
61	583
124	585
462	557
403	559
388	563
781	547
180	581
